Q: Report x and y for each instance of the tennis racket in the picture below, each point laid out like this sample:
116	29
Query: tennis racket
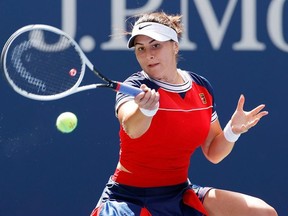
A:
42	62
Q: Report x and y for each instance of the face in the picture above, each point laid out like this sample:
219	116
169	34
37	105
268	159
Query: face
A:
157	59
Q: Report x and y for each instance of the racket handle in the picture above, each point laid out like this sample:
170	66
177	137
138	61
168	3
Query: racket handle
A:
128	89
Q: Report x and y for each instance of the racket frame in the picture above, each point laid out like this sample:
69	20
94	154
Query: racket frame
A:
117	86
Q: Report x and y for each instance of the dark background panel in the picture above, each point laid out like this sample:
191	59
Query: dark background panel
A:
44	172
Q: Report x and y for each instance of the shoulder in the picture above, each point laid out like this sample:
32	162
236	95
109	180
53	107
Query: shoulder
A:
200	80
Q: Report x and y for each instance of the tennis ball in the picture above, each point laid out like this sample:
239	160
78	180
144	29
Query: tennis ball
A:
66	122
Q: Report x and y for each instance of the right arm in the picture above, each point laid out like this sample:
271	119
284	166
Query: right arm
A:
133	121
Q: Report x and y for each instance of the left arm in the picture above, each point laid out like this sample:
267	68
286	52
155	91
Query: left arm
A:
217	147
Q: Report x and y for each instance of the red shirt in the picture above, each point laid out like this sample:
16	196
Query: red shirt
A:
161	156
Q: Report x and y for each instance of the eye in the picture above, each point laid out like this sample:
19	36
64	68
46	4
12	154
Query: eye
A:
139	49
156	45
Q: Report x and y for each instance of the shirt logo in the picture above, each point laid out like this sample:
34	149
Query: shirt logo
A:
203	98
141	27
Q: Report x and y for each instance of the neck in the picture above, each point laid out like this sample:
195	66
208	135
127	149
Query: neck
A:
173	77
177	79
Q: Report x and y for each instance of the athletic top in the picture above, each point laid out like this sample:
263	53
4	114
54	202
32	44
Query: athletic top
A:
161	156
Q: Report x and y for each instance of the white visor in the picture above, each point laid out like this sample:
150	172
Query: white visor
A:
154	30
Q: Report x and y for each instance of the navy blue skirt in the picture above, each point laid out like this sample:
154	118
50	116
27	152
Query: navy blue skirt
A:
182	199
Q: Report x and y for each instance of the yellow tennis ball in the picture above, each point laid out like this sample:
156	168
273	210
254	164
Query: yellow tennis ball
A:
66	122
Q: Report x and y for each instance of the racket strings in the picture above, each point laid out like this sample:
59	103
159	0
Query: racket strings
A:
21	70
44	63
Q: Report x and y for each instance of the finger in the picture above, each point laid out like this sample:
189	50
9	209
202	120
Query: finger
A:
157	97
150	96
153	100
144	87
139	97
241	101
256	110
254	122
144	102
257	118
261	114
250	124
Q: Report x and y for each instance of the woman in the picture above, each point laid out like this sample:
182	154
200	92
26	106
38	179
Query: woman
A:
162	126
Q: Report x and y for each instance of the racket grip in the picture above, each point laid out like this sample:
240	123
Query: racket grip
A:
128	89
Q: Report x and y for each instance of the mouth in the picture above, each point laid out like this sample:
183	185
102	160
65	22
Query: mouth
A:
153	65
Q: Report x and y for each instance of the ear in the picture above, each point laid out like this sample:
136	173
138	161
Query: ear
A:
176	48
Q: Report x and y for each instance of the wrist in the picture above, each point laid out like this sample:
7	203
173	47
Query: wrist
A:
148	112
229	135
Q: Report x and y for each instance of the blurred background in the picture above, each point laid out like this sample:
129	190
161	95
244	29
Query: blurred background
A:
240	46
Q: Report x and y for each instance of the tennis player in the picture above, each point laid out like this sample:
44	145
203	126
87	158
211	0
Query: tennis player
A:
161	128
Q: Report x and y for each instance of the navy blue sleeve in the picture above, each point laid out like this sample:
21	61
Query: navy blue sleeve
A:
136	80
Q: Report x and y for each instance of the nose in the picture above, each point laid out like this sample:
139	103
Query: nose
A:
150	55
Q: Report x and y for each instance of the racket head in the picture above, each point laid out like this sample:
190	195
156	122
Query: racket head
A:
42	62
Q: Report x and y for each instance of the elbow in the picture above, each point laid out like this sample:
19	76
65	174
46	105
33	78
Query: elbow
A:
135	125
132	134
131	130
214	159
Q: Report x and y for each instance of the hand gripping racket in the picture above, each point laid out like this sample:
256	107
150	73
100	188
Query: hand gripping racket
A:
42	62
